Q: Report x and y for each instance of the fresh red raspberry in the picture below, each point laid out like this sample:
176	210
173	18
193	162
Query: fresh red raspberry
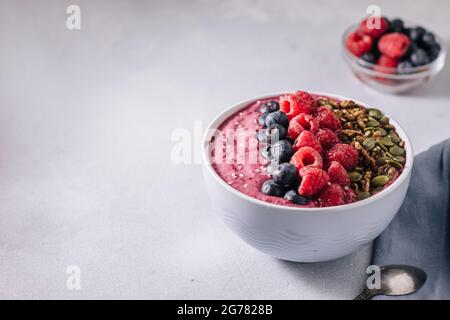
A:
358	44
327	138
331	195
295	129
307	156
345	154
307	139
338	174
313	180
350	195
394	45
328	119
369	27
294	104
386	64
300	123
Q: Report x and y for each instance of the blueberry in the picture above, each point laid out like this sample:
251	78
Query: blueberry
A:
428	40
286	175
270	188
277	117
419	58
281	151
405	67
396	25
270	106
433	52
265	152
293	196
278	129
415	34
369	57
272	166
272	134
262	119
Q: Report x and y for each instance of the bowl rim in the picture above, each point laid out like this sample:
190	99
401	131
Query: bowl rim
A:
361	203
430	69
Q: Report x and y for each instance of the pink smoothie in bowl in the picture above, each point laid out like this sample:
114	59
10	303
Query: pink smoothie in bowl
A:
307	150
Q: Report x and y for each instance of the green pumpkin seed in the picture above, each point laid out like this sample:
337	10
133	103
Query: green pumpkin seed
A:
354	176
395	164
384	120
382	146
375	113
382	161
379	181
372	123
369	144
382	132
386	141
359	169
394	137
399	159
388	127
369	129
363	195
397	151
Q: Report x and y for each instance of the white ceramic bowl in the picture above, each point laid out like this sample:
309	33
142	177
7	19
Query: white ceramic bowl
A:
304	234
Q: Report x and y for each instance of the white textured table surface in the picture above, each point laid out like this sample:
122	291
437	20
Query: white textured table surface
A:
85	124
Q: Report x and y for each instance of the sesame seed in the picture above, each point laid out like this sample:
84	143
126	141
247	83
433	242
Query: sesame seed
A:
245	185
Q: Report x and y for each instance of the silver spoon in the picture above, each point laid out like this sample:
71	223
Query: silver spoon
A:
396	280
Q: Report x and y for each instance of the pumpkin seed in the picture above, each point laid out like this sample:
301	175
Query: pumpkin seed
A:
395	164
383	132
397	151
363	195
399	159
386	141
375	113
382	161
369	144
388	127
394	137
372	123
369	129
379	181
384	120
354	176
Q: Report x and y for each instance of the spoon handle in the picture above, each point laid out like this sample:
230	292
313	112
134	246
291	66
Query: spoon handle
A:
366	294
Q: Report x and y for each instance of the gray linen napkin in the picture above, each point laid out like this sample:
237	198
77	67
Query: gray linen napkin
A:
420	233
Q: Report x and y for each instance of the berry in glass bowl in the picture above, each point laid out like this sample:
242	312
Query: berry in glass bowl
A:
393	56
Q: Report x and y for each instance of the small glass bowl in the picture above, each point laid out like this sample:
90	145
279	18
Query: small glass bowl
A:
389	80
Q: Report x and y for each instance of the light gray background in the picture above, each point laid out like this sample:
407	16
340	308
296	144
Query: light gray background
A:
85	138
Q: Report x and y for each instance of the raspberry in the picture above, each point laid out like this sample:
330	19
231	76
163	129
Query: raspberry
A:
307	156
394	45
350	195
331	195
327	138
386	65
313	180
294	104
307	139
300	123
345	154
369	27
338	174
295	129
328	119
358	44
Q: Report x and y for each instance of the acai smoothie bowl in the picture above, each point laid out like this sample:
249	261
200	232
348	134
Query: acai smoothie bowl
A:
306	176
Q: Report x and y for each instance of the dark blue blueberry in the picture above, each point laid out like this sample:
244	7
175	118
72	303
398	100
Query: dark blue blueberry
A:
294	197
433	52
396	25
270	188
272	166
277	117
405	67
265	152
428	40
281	151
286	175
415	34
262	119
369	57
419	58
270	106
